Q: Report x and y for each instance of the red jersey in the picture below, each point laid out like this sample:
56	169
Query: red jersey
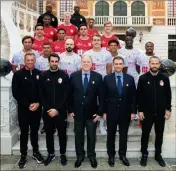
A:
105	40
58	47
71	30
92	32
81	46
38	44
50	33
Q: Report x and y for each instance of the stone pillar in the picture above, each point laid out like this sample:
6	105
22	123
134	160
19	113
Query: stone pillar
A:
9	124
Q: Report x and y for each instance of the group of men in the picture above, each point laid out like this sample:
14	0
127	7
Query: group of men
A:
73	70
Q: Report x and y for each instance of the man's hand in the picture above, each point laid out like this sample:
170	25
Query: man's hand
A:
133	116
52	112
141	116
72	116
97	117
34	106
167	115
104	116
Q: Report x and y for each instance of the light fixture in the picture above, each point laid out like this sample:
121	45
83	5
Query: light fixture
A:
140	36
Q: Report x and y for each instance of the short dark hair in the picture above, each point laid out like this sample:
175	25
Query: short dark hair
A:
39	25
113	41
118	58
150	43
44	15
154	57
82	25
47	43
27	37
61	29
53	55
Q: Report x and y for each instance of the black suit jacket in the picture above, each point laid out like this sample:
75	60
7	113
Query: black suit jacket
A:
119	107
85	104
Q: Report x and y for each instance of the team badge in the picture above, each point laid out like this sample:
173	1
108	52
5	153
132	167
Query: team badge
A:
80	19
71	31
51	33
161	83
127	85
53	19
93	82
89	44
60	80
148	82
37	77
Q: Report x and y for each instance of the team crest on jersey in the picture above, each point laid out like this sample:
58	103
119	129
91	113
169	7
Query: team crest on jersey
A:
51	33
161	83
80	19
60	80
71	31
37	77
89	44
53	19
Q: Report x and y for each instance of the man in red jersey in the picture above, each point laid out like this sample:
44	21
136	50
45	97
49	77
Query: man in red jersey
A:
49	31
83	43
59	45
39	38
107	36
91	30
71	30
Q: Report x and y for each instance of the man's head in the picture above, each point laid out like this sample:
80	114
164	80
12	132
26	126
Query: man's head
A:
46	20
129	41
86	63
113	46
69	45
118	64
96	41
39	30
91	23
27	42
149	47
47	49
154	64
67	17
76	9
29	61
83	29
107	26
49	8
54	61
61	34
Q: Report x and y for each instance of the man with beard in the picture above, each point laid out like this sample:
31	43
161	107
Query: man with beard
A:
154	106
54	95
69	61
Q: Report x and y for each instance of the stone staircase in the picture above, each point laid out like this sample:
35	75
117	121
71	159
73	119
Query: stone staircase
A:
134	137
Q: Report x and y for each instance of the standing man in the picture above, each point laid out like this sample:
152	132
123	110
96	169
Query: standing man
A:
77	19
54	20
120	108
54	94
86	86
25	89
69	61
91	30
154	106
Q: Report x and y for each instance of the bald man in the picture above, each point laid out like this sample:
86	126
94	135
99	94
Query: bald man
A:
85	110
69	61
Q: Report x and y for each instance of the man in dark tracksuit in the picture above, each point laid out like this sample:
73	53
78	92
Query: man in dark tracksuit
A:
54	94
25	89
154	106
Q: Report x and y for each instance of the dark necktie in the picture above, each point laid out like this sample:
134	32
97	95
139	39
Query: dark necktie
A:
119	85
85	82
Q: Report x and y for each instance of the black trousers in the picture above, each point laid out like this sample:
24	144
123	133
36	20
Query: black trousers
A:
60	123
147	124
28	119
79	128
111	135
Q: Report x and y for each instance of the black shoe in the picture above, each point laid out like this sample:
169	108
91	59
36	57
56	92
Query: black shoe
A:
78	162
49	159
22	162
111	161
93	162
42	130
160	160
124	160
143	161
63	160
38	157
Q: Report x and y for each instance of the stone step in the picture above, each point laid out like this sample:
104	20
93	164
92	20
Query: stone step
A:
133	150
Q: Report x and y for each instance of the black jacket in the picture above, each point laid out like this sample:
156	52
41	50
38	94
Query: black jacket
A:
25	87
154	93
119	107
77	19
55	88
54	20
85	104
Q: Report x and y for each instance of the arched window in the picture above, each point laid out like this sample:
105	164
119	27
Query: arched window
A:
120	8
138	8
101	8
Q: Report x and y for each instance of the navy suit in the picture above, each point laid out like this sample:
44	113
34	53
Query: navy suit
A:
118	109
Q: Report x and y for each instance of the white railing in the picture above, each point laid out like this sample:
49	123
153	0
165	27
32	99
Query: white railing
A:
171	21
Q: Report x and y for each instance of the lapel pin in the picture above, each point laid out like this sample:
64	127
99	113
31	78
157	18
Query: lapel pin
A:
60	80
148	82
161	83
93	82
37	77
48	79
127	85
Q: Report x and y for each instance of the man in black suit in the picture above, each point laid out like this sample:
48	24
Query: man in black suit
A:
86	108
120	108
